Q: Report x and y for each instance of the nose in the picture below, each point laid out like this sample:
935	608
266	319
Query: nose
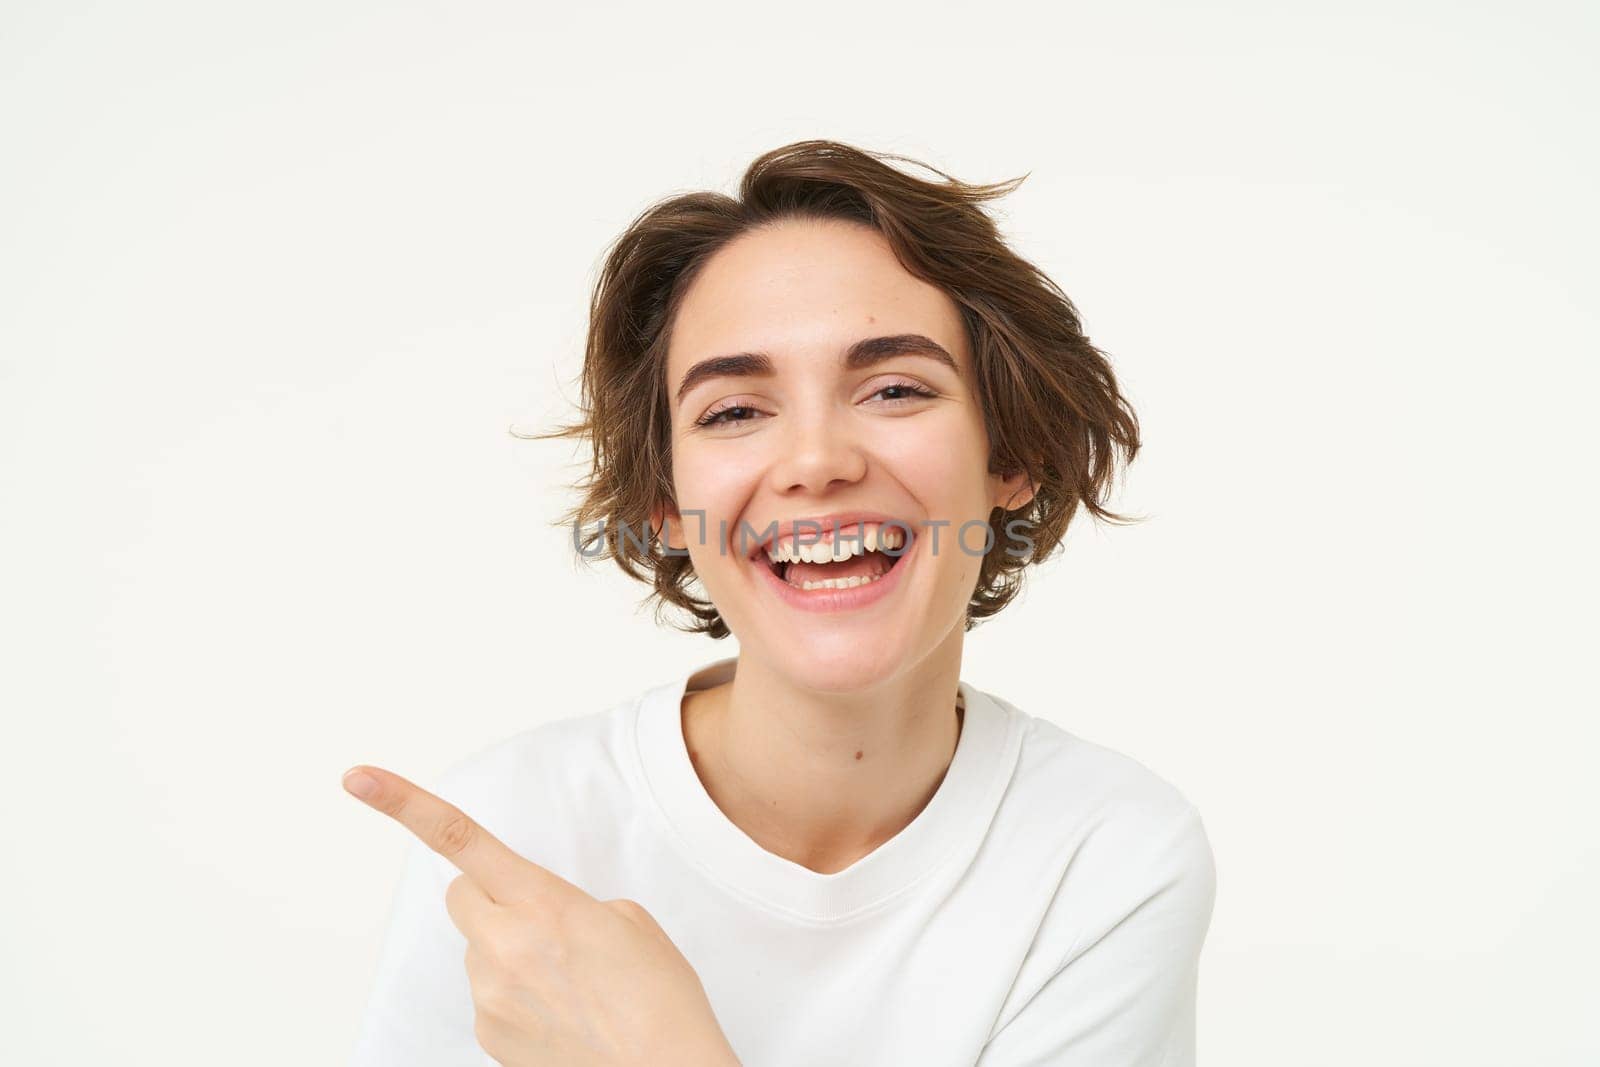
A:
817	454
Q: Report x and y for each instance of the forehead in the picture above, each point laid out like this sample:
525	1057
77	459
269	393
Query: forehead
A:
804	288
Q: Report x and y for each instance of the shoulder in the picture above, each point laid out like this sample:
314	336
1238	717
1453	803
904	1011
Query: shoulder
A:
1123	882
1121	834
583	742
1073	774
534	783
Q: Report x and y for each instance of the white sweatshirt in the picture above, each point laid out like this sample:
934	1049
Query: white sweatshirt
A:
1048	906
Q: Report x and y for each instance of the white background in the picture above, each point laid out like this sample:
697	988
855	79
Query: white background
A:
279	279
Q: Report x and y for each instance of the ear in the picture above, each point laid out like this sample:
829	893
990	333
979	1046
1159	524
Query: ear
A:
1012	491
668	525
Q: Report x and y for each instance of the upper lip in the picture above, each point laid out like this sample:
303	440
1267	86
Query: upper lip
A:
815	528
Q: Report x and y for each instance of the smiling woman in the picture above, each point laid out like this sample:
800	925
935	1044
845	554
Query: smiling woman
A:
843	408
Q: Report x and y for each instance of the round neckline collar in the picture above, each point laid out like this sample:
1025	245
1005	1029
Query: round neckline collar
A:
951	823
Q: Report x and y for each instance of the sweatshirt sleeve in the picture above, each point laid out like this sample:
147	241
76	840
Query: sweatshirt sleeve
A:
1125	993
420	1012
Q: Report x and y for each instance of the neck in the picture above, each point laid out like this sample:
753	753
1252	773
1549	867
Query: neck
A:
823	778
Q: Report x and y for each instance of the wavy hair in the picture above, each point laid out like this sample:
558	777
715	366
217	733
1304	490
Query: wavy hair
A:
1050	401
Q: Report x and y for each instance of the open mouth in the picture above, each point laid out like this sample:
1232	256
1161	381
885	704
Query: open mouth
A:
855	555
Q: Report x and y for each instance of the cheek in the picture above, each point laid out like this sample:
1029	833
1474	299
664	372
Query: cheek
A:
942	461
944	465
715	482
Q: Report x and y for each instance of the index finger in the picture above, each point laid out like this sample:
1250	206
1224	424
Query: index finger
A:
449	831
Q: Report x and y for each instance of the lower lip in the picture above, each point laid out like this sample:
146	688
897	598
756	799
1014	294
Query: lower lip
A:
834	600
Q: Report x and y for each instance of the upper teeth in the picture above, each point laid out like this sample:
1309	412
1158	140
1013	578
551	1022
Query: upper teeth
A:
870	538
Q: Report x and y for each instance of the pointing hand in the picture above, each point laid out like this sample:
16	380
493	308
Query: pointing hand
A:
557	976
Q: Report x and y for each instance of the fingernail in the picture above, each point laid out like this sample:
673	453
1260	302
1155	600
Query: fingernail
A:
360	784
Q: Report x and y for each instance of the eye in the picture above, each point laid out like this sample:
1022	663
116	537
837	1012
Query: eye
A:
727	413
907	390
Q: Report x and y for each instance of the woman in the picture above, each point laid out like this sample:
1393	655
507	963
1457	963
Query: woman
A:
849	413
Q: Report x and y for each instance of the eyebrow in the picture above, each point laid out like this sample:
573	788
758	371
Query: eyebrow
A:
864	353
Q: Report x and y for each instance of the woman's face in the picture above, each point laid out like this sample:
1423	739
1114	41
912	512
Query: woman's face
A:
808	425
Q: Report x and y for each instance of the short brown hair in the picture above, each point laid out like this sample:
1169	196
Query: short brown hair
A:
1050	401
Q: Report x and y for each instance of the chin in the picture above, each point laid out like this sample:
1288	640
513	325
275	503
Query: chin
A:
836	659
